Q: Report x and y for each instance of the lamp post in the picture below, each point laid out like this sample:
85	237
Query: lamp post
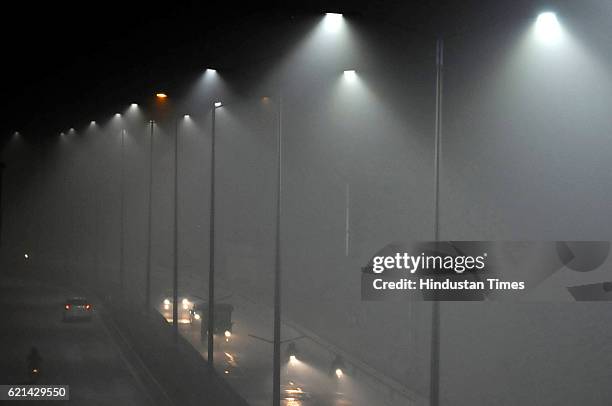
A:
122	221
548	32
149	221
277	260
211	240
434	383
175	319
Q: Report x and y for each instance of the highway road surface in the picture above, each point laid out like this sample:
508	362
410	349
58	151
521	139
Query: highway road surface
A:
84	355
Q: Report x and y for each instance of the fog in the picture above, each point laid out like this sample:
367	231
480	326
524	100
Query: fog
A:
525	148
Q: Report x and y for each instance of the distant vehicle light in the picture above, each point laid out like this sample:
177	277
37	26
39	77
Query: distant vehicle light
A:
228	333
167	301
67	307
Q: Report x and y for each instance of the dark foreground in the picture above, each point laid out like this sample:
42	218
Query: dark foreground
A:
85	355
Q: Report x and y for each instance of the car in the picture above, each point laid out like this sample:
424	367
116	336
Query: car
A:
186	303
77	308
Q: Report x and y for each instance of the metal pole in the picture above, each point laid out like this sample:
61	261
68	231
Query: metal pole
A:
347	221
149	221
122	226
175	239
211	251
277	262
96	245
434	389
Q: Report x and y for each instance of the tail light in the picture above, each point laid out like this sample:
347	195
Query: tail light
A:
67	307
88	306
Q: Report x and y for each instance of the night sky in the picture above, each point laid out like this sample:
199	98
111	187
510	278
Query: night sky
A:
69	63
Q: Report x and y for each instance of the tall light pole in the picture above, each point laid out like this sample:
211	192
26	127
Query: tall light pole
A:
434	382
162	98
122	218
149	221
211	255
277	260
175	319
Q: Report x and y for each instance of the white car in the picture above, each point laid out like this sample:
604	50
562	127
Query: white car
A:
77	308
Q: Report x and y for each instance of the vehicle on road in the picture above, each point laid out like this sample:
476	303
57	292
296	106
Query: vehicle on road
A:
77	308
223	319
186	304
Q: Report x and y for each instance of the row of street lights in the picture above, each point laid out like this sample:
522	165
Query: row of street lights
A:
547	30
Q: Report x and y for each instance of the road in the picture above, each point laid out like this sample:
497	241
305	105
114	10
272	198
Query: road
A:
83	355
245	360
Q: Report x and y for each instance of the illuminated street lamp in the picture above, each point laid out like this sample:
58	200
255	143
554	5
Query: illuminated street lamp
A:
547	28
292	353
333	22
350	75
211	241
122	222
149	222
548	31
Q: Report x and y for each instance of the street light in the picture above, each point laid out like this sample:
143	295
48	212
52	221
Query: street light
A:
547	28
292	352
149	222
548	31
122	216
350	75
333	21
211	240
